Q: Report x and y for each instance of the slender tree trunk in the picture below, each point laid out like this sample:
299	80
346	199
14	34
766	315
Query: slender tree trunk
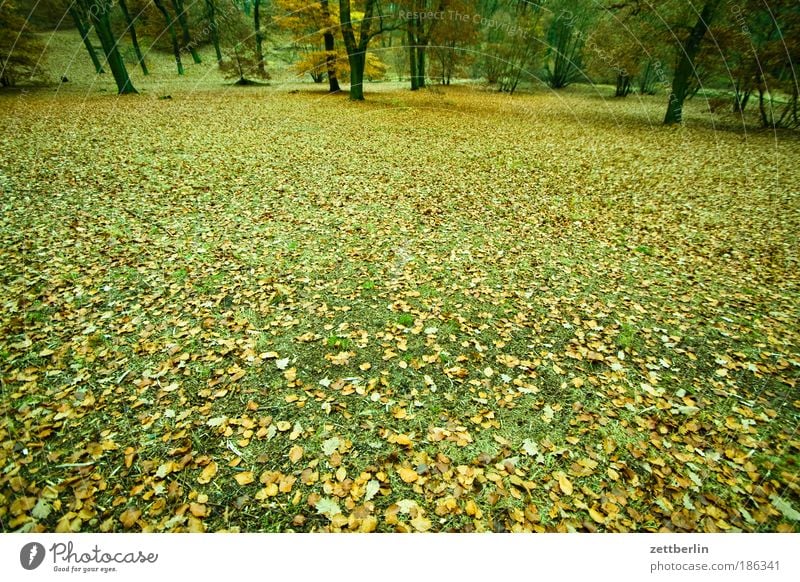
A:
685	68
330	49
762	110
176	50
421	65
259	37
211	13
134	39
183	21
83	29
623	85
102	26
412	60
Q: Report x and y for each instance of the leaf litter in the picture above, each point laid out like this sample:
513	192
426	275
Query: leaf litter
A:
494	314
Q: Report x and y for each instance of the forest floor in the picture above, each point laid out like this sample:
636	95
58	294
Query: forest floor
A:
250	309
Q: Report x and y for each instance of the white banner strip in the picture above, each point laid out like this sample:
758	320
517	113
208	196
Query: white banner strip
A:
409	557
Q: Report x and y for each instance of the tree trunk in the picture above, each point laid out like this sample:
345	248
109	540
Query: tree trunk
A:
421	65
134	39
357	63
211	13
762	110
184	24
412	59
685	68
102	26
623	85
330	50
176	50
356	50
83	29
259	38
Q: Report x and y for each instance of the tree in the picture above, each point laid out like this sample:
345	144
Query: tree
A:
422	18
259	36
566	37
213	27
623	47
451	39
183	21
371	25
511	45
132	30
685	70
99	13
169	23
761	46
20	49
312	27
237	42
83	25
330	47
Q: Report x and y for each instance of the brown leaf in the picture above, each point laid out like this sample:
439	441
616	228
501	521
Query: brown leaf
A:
129	517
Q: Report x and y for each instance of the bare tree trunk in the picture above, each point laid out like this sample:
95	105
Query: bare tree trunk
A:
211	14
83	29
686	68
102	26
330	49
134	39
184	24
259	37
176	50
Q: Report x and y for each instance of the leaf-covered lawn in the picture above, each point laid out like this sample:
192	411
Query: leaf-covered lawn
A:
251	310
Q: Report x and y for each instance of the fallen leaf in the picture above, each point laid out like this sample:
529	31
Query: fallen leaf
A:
407	475
208	473
244	478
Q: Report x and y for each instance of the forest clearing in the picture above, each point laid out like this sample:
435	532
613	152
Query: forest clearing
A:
272	308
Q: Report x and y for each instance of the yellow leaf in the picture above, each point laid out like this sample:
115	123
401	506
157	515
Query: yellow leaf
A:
129	517
270	490
197	509
244	478
564	483
208	473
365	366
368	524
421	523
407	475
401	439
296	453
473	510
196	526
596	515
283	425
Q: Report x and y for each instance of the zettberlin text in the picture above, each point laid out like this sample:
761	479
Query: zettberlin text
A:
676	549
